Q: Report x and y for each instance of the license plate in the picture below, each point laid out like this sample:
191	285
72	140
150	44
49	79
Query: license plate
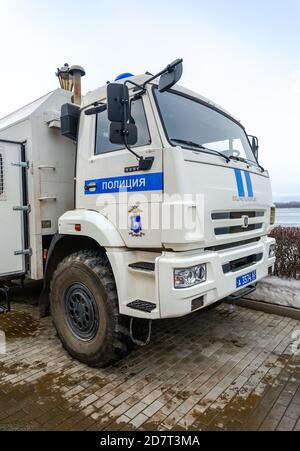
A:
247	278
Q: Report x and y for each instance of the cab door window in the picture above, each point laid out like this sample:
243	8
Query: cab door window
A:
103	145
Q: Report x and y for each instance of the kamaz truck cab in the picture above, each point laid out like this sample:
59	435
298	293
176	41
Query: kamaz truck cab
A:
172	212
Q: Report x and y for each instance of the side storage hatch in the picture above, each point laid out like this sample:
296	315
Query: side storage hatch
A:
12	211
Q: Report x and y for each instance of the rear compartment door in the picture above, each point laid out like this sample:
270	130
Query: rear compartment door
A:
12	255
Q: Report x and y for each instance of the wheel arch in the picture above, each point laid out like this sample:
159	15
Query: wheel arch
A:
92	224
97	233
61	247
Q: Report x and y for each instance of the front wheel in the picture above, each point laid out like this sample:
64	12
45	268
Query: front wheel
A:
84	306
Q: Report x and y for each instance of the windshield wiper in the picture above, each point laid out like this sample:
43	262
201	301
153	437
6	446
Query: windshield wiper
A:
199	146
244	160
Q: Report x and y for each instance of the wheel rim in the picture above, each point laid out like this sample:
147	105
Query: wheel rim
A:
81	312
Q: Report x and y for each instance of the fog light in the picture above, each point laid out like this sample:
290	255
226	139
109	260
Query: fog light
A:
197	303
273	215
189	277
271	271
272	251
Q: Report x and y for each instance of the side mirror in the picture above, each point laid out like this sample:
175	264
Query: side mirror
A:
255	146
117	131
172	75
118	111
117	102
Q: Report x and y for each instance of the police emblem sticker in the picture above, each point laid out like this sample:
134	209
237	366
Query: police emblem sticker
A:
136	229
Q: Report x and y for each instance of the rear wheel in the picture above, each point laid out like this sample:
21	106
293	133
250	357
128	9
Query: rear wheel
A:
84	306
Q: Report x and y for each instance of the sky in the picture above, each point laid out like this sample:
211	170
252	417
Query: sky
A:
244	55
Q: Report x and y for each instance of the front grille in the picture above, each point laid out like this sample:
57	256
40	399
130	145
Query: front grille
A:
237	214
237	229
242	263
237	221
223	247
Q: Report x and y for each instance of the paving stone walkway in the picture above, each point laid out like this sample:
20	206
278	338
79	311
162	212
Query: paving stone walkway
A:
226	369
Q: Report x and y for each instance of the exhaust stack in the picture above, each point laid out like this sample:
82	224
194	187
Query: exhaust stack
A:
77	72
70	80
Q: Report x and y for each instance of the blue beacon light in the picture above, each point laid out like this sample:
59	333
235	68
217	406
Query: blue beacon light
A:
125	75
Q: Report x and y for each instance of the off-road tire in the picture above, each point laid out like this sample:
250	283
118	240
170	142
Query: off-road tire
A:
111	341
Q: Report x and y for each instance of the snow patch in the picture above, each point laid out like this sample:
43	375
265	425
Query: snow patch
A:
275	290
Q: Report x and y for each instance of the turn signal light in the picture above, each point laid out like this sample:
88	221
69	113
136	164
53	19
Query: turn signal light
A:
78	227
273	216
272	251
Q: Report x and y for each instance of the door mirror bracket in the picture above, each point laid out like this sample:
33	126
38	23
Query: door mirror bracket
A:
122	127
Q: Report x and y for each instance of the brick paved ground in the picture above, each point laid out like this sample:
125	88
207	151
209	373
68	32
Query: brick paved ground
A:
231	368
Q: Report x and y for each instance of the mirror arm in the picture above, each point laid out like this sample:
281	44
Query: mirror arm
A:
255	151
145	164
137	94
96	109
138	157
134	84
124	103
169	68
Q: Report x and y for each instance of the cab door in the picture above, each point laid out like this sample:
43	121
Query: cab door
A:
130	199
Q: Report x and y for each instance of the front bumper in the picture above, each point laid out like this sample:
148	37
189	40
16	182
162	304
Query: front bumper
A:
219	284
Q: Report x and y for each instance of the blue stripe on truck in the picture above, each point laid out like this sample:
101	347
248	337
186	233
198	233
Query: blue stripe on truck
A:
128	183
249	184
239	182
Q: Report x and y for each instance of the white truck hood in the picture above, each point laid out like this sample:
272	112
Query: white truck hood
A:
230	202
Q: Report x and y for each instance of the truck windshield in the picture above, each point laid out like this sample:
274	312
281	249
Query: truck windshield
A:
189	123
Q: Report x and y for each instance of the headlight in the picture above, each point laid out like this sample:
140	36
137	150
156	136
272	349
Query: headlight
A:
272	250
189	277
273	215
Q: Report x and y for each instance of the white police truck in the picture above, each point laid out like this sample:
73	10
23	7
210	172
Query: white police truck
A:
139	201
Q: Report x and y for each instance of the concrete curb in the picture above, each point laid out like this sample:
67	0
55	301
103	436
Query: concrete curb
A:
269	308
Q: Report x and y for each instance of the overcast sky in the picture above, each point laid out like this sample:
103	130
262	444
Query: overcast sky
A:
245	55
